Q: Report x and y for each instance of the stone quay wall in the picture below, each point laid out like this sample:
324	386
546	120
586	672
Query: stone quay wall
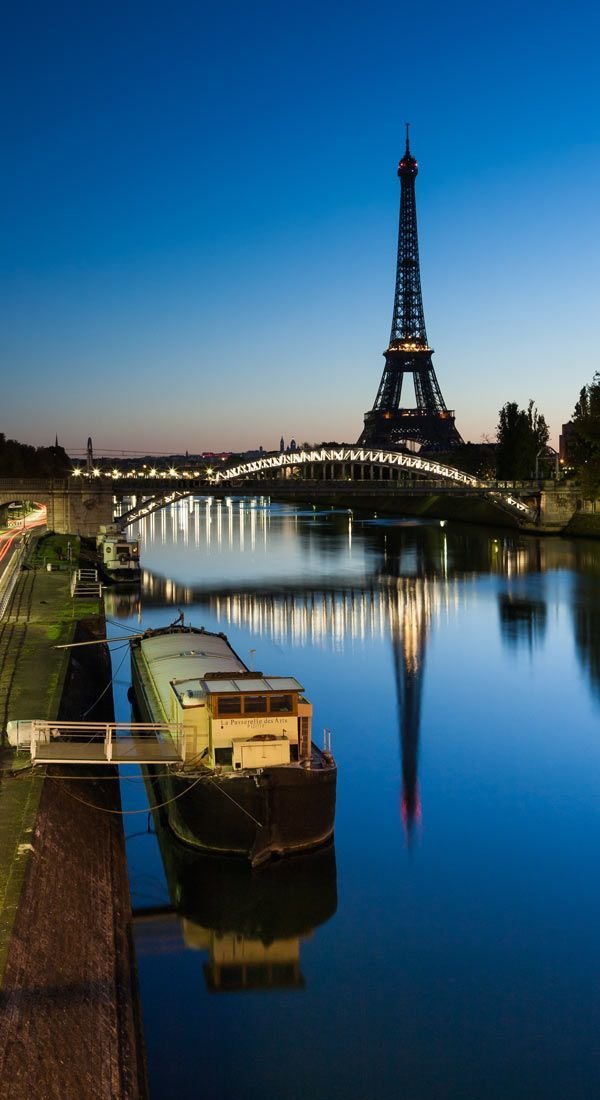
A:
69	1018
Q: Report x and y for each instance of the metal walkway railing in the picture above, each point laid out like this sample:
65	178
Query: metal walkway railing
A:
85	584
98	742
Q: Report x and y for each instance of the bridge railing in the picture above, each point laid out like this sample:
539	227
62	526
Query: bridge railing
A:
9	577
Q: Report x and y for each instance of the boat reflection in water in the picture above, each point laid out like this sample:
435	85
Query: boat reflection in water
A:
251	923
412	577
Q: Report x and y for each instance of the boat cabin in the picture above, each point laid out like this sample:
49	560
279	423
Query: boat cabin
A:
233	718
246	721
119	554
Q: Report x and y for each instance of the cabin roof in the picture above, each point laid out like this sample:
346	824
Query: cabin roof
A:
187	657
260	685
183	662
190	655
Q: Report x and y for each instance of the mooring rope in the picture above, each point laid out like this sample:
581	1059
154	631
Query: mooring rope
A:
128	813
236	803
110	682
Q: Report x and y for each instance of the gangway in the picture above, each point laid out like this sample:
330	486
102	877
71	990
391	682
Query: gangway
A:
98	742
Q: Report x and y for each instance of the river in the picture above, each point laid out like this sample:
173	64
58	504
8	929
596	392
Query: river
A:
448	948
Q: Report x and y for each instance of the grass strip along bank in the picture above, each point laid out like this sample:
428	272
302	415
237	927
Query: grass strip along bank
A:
40	614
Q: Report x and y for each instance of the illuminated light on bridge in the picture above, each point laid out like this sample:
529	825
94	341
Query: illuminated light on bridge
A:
357	456
407	461
360	466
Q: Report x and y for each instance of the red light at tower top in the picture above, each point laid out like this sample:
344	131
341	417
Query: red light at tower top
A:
410	809
408	165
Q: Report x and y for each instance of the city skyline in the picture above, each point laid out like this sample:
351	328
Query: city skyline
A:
200	216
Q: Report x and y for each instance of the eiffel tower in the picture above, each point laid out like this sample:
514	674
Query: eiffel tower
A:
430	425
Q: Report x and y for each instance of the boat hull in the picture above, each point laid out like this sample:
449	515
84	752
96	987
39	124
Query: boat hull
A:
282	899
274	810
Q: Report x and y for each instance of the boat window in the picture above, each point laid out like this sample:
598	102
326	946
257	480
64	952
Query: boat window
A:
255	704
281	704
230	704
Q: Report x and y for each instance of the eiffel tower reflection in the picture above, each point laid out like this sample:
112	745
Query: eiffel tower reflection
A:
410	578
336	614
410	626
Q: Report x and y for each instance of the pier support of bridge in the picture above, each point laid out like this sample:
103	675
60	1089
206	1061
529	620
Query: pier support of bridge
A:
557	506
74	507
79	510
396	493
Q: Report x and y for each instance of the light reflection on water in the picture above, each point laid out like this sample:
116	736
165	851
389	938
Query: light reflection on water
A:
459	670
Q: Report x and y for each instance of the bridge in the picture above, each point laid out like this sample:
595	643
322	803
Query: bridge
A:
104	743
346	475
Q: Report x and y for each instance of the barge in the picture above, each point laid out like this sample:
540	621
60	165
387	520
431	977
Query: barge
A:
119	555
251	781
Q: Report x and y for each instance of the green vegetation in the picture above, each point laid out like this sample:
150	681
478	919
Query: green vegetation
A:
522	435
32	677
478	459
22	460
584	449
18	809
59	550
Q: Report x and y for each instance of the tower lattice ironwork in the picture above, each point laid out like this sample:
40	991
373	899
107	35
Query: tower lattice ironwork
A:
430	424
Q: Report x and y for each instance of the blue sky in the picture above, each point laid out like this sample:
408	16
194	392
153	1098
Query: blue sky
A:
199	209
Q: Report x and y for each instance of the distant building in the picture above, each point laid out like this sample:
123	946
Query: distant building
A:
565	444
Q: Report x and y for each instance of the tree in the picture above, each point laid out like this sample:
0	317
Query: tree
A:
585	447
22	460
521	435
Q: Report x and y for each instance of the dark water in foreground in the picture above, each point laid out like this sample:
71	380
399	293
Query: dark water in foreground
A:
449	947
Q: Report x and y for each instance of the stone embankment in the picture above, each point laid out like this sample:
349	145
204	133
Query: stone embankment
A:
584	524
68	1025
553	507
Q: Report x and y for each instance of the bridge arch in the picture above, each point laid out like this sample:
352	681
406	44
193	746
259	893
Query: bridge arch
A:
71	506
22	511
376	458
359	463
355	456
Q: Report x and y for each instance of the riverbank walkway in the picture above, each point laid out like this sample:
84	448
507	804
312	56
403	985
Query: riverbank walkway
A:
32	675
68	1019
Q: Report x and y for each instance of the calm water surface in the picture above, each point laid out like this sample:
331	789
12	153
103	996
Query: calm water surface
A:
449	947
